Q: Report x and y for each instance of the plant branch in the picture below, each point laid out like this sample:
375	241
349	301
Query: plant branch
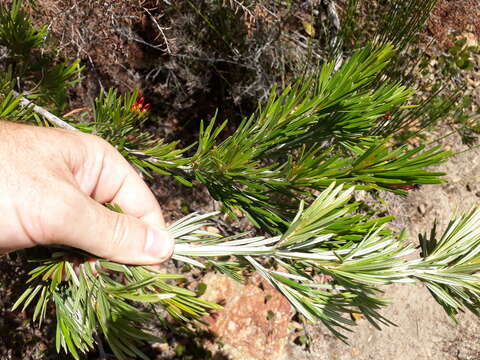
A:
335	30
24	102
160	29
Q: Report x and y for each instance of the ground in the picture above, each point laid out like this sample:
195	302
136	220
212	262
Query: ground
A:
267	329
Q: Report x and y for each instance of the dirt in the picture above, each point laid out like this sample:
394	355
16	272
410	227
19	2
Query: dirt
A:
100	35
454	16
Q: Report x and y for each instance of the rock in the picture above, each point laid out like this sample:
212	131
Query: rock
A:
471	39
212	229
254	322
422	209
238	212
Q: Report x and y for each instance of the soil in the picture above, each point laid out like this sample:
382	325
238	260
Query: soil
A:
452	17
423	329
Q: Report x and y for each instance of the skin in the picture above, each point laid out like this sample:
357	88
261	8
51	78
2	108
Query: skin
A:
52	185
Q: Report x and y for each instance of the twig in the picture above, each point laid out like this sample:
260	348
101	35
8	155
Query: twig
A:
74	111
24	102
160	29
240	5
334	19
213	60
128	34
101	349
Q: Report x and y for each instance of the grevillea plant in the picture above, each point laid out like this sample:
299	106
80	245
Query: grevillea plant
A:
292	168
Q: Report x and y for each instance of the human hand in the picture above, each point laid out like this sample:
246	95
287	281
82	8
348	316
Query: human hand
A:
52	185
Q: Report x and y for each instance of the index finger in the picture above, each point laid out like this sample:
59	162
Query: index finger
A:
117	182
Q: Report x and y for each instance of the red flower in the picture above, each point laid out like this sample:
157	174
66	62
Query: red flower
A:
402	186
140	105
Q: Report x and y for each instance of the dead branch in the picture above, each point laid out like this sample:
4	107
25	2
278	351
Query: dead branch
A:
335	26
160	29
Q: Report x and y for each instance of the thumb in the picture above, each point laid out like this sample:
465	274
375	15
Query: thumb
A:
118	237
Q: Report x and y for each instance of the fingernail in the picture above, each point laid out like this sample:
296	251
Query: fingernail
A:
159	244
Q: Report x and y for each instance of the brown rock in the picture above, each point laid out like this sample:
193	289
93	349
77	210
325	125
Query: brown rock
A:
212	229
472	40
254	322
422	209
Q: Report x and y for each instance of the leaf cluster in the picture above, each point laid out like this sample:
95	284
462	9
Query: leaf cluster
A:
451	263
95	296
325	241
29	63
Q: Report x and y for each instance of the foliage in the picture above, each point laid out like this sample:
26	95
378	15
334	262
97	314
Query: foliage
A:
95	296
450	264
313	133
28	66
397	22
17	32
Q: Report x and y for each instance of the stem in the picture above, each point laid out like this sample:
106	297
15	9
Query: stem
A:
24	102
160	29
336	27
102	355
